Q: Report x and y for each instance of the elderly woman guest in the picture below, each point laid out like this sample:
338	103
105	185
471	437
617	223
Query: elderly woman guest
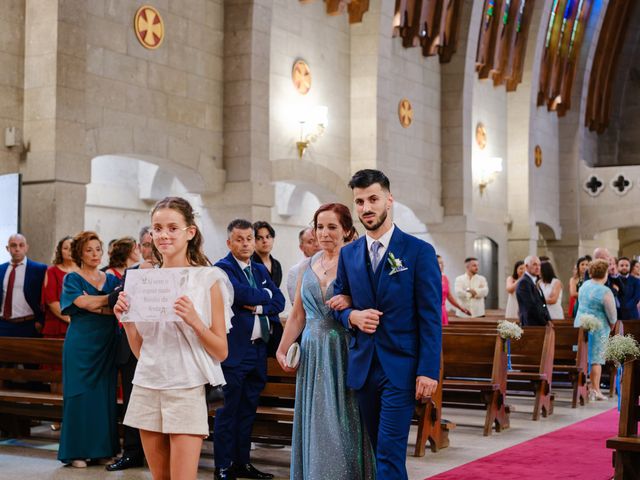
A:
124	254
575	282
89	429
447	295
596	299
511	311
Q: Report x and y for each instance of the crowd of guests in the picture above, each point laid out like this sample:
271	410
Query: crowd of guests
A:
601	286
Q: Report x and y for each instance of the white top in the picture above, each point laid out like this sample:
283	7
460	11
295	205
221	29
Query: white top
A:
19	305
512	310
555	309
474	304
384	240
172	355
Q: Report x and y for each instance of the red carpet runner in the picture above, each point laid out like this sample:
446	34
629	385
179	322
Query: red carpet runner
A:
574	452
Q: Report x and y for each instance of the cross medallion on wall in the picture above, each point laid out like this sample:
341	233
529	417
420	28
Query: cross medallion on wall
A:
620	184
149	27
405	112
594	186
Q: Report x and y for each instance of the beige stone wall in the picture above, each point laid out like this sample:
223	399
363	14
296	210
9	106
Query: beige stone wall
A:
11	78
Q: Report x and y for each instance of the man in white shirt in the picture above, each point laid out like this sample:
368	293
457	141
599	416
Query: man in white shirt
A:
308	246
471	289
21	280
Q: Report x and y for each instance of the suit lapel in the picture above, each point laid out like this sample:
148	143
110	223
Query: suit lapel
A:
396	246
234	264
360	267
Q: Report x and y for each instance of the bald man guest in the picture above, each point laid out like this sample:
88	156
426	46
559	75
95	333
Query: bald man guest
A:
21	282
308	245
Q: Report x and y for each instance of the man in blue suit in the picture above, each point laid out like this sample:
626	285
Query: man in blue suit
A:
395	287
631	287
257	302
21	282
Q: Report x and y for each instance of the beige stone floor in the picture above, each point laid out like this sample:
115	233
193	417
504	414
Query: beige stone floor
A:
36	459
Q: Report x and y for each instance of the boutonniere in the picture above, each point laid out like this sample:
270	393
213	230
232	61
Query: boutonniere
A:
396	264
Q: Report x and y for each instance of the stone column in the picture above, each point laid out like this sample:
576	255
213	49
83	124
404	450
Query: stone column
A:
248	192
57	167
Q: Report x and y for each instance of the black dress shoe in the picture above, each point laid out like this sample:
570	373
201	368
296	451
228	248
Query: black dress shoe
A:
125	462
249	471
223	474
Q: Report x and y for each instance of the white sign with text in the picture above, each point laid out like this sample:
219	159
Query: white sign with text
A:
152	292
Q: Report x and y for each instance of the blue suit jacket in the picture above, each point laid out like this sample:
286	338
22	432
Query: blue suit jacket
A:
630	298
239	337
408	340
33	281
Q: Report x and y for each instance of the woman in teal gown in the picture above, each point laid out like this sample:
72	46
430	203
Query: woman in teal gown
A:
89	426
329	439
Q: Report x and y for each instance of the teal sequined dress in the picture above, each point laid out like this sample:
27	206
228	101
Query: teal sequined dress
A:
329	440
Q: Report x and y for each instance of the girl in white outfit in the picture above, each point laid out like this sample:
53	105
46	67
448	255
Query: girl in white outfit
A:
176	359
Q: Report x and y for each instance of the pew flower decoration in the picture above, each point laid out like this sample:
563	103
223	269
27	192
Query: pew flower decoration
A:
620	348
590	323
509	330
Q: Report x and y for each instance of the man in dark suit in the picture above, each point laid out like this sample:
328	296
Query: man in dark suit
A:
531	302
631	288
126	361
21	282
256	303
395	286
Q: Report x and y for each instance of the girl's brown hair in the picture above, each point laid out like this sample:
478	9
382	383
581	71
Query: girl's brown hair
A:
195	254
57	255
79	241
344	217
121	251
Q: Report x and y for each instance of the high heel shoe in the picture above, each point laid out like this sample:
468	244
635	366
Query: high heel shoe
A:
79	464
599	396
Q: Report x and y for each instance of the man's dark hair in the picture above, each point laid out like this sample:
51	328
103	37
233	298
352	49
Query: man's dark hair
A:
623	258
240	224
470	259
262	224
302	232
367	177
143	232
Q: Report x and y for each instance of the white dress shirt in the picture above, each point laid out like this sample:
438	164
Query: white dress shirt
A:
256	333
384	243
19	305
475	305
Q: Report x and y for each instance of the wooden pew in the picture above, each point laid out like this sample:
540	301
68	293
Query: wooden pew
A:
532	367
570	361
431	427
626	457
474	375
19	403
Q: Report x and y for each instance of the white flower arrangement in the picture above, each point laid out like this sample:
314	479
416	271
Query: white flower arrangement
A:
509	330
590	323
620	348
396	264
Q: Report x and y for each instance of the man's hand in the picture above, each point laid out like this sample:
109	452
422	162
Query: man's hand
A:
425	387
365	320
473	293
251	308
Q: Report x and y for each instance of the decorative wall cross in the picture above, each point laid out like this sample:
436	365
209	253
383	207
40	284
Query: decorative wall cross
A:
594	186
620	184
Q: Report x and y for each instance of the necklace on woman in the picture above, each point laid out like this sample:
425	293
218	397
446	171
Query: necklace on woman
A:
325	269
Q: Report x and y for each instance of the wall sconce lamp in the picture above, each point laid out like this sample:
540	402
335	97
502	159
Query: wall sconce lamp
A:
318	120
489	168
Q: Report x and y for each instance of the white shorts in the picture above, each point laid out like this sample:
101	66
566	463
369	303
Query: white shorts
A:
179	411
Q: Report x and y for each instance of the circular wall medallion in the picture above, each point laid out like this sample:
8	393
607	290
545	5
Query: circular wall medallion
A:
149	27
405	112
481	136
301	77
538	156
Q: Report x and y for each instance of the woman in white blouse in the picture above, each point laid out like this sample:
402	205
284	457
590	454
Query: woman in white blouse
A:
551	286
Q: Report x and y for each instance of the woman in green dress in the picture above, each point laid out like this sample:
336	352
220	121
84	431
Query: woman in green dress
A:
89	428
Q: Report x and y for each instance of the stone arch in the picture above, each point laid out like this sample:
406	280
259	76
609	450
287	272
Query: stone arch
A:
615	218
323	182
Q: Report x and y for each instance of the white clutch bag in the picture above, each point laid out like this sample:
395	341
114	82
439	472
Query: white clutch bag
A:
293	355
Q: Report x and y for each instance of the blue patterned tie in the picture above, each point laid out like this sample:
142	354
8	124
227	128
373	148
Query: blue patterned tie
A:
264	321
375	254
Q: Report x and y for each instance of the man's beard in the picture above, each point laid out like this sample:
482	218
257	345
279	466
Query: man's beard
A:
377	225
